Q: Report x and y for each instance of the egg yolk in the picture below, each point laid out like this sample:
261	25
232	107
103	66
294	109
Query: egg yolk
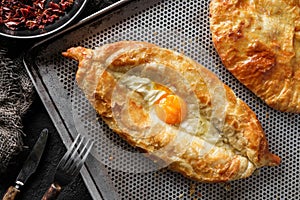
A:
170	109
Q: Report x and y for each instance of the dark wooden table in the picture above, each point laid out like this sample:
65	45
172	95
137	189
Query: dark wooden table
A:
34	121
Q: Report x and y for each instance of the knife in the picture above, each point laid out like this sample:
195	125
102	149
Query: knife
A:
29	166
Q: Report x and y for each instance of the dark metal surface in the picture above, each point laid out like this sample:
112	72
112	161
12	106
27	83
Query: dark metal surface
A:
33	160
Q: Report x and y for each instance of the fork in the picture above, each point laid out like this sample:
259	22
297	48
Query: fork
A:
69	166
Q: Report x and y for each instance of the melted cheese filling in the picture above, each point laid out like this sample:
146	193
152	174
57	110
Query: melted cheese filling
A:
169	107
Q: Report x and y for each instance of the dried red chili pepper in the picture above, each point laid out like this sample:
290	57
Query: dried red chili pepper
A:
31	14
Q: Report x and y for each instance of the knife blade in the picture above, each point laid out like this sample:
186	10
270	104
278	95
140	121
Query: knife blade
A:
29	166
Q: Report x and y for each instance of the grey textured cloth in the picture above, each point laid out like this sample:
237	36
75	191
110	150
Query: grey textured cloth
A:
16	92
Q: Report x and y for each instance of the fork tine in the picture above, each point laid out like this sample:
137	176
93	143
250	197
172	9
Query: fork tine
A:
75	152
85	148
80	159
77	158
86	154
67	154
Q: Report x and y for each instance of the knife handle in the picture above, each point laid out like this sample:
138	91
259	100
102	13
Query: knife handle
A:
11	193
53	192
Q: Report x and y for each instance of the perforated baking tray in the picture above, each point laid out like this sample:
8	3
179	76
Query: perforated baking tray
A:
116	170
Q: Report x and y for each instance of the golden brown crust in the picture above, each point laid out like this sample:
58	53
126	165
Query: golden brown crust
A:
258	42
241	145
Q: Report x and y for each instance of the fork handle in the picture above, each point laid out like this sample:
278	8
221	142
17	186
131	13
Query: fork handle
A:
53	192
11	193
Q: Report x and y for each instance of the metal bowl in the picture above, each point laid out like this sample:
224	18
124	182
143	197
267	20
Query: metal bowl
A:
58	24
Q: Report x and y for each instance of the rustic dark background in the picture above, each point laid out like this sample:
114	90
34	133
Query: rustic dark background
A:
34	121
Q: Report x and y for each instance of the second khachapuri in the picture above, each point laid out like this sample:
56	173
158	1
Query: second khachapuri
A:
259	43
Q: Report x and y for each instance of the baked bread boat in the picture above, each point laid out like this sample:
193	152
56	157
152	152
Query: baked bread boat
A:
174	109
259	43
